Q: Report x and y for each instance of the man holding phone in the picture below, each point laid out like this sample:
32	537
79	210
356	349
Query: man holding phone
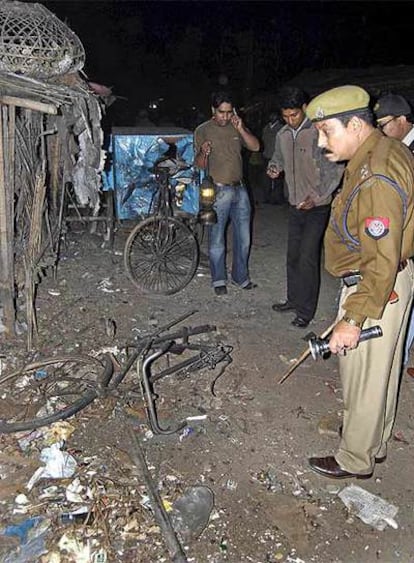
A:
310	180
218	147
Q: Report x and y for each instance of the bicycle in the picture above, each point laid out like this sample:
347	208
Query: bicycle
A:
53	389
162	253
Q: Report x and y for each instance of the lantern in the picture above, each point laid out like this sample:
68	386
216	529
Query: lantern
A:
207	215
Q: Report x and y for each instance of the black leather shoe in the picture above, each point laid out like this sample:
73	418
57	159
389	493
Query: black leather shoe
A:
282	307
299	322
250	285
220	290
328	467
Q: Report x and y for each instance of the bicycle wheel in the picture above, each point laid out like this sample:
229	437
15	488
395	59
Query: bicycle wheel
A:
51	389
161	255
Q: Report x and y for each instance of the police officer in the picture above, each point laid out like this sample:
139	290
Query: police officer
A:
371	233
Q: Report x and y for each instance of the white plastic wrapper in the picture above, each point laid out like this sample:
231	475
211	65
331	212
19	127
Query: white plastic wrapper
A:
369	508
59	465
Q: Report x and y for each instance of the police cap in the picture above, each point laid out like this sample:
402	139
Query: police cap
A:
344	100
391	105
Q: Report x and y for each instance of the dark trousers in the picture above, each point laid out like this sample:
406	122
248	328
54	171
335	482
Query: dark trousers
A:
305	234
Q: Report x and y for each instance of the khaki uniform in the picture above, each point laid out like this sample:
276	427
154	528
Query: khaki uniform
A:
371	230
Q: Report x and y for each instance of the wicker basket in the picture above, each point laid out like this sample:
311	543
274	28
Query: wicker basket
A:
34	42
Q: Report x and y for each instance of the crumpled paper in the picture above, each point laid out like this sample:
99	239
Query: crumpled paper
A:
59	465
369	508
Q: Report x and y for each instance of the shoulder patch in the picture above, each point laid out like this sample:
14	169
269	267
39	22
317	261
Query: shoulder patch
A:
377	227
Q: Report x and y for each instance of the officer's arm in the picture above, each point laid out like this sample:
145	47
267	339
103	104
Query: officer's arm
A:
380	213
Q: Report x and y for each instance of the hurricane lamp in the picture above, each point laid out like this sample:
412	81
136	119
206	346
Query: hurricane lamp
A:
207	214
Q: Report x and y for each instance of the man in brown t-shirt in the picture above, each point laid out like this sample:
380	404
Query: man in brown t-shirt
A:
218	145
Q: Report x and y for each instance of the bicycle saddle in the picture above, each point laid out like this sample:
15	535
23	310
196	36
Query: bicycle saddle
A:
172	165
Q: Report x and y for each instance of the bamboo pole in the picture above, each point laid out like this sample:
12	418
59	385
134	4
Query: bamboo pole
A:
29	104
6	233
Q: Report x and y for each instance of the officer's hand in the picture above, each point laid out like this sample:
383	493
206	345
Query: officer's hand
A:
344	337
307	203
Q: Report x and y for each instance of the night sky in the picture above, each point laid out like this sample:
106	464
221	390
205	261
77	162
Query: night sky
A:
178	50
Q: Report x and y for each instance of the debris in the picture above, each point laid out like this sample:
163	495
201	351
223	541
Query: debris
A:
399	437
59	465
186	432
370	508
31	534
191	512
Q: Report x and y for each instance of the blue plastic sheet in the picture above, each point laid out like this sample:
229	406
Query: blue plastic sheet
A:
132	154
31	533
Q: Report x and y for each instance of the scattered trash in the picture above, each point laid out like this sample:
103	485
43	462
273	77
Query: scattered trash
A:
231	485
191	512
40	374
399	437
70	545
370	508
59	431
186	432
223	545
269	479
59	465
31	534
197	417
79	516
54	292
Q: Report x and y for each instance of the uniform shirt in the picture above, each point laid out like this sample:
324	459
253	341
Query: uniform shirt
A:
371	227
307	171
225	160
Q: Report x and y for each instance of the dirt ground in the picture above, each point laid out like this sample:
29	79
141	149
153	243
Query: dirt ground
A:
252	445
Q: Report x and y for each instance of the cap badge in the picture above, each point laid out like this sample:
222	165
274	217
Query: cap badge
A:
319	113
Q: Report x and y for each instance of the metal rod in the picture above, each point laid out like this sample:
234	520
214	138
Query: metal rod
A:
138	458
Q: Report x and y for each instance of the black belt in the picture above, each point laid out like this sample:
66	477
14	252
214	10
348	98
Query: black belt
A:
231	184
352	278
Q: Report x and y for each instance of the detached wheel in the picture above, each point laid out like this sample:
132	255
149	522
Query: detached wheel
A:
161	255
51	389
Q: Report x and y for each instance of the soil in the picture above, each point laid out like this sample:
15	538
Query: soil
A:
252	445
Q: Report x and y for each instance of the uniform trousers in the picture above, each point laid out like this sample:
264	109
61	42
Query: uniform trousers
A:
370	377
305	234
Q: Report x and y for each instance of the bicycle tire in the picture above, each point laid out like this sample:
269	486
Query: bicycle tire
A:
161	255
86	397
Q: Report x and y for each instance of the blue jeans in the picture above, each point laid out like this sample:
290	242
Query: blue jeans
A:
231	204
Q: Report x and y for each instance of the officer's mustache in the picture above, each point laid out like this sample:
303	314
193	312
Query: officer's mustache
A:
326	152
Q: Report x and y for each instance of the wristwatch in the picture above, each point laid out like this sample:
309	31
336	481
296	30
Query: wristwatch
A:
352	322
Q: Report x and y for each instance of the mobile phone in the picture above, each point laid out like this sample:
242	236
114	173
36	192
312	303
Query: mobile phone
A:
235	112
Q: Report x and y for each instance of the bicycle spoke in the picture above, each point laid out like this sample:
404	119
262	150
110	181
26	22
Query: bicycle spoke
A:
161	255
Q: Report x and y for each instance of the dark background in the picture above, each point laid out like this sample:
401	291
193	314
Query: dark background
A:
182	51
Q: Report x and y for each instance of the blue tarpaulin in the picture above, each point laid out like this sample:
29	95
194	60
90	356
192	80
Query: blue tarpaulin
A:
132	154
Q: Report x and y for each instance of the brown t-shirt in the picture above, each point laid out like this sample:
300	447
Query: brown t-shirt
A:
225	160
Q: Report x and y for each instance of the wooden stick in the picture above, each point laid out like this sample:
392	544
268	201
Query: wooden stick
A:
6	229
29	104
305	354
